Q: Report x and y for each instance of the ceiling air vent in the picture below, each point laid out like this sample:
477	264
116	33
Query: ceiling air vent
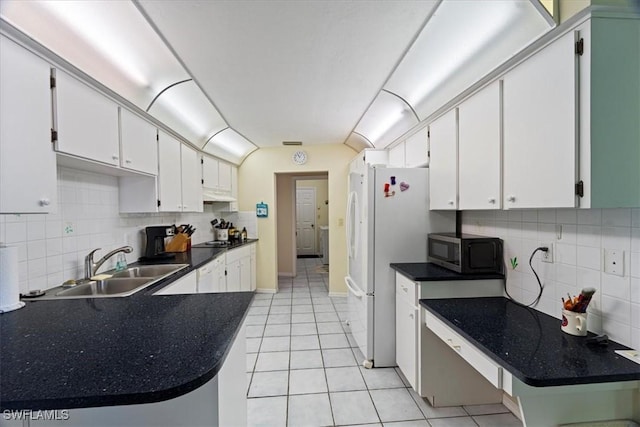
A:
291	142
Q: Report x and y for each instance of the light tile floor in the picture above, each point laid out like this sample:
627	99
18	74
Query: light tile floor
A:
303	368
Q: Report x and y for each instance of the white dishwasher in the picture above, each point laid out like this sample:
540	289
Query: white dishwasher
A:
206	279
210	278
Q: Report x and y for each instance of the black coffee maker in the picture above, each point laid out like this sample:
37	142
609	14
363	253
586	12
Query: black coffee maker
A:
155	250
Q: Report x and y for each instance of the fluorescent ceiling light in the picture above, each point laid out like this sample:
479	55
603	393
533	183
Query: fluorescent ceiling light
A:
109	40
186	110
231	142
387	118
462	42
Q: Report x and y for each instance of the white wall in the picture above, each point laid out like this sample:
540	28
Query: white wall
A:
258	183
52	247
615	309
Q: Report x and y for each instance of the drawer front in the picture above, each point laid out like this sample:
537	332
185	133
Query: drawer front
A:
238	253
481	363
406	289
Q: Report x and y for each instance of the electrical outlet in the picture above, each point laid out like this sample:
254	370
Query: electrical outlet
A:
614	262
548	256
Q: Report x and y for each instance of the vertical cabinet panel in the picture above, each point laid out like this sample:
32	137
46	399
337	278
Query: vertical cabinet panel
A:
210	172
396	156
86	121
138	143
540	129
27	160
224	177
443	167
416	150
479	161
169	174
191	184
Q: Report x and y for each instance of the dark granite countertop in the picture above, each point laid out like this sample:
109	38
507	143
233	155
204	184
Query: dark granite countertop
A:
429	272
530	345
74	353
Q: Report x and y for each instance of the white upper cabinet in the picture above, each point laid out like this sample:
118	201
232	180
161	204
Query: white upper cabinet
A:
138	142
396	156
443	167
224	177
27	160
540	129
609	106
86	121
169	174
479	160
416	150
191	184
210	172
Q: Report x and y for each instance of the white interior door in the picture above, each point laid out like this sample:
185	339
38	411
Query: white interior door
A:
306	221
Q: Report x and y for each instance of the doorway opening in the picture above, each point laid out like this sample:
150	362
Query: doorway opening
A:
302	221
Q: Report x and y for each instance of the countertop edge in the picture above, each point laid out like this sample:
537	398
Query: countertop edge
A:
531	381
447	275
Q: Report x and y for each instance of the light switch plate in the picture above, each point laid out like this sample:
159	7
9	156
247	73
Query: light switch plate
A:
614	262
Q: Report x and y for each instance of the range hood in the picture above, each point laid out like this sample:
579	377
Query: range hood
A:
209	195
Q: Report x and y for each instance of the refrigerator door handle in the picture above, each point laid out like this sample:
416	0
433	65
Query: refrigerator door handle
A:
356	292
353	232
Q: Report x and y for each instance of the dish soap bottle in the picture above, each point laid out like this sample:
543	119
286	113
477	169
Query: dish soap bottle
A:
121	262
244	234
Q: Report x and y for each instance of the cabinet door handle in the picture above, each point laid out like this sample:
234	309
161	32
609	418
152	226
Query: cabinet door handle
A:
511	198
114	157
127	161
44	202
451	202
405	289
492	201
411	315
184	206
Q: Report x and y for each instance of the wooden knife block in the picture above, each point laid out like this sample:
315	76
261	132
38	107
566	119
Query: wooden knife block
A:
180	243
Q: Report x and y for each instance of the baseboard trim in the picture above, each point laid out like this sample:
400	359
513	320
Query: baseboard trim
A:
285	275
338	294
266	291
511	405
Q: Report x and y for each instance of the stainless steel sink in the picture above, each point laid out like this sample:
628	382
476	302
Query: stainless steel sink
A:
147	271
121	284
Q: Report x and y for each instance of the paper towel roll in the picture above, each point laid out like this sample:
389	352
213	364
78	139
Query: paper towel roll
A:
9	284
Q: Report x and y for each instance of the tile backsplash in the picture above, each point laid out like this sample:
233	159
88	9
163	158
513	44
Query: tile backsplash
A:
581	237
52	246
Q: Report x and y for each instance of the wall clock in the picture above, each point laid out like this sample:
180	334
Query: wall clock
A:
299	157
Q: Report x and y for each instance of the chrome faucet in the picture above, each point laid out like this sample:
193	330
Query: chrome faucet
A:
91	267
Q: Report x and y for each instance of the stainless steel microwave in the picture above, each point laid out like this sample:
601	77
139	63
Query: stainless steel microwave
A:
465	253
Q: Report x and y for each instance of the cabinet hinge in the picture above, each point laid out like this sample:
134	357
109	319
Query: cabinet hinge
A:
54	136
202	161
52	82
225	272
580	47
580	189
202	181
429	134
428	154
158	202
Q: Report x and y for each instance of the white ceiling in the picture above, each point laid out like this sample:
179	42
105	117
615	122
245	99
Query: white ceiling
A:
290	70
230	76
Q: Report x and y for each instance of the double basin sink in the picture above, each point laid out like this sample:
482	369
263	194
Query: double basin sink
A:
120	284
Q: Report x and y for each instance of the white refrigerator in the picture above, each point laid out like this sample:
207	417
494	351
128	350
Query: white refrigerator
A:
384	227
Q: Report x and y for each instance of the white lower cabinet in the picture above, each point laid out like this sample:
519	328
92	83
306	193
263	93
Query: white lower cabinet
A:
239	269
211	277
407	326
185	285
426	360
